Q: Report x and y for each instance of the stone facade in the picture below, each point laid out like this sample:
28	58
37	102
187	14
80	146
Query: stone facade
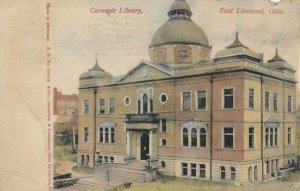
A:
231	118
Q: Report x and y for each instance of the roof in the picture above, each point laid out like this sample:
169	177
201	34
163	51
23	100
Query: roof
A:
236	48
278	63
95	72
179	31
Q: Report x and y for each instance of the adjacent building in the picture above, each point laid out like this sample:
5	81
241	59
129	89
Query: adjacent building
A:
230	117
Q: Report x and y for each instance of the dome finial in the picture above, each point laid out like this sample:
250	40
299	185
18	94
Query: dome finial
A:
236	42
96	58
276	56
180	10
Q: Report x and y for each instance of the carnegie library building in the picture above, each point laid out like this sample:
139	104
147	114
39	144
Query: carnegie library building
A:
185	113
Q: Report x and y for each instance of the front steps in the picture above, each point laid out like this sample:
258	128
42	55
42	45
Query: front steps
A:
109	175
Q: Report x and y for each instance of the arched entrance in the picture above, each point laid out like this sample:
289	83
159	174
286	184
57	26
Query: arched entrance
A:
144	146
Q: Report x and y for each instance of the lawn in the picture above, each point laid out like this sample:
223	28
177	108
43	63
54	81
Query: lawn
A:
290	183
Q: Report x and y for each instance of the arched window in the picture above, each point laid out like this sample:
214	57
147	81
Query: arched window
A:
185	137
202	137
112	135
232	173
163	164
223	173
267	137
145	103
255	173
276	136
106	135
101	135
194	137
250	174
271	137
87	160
82	160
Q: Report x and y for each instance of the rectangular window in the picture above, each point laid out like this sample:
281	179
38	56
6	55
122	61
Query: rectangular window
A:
193	170
251	138
267	101
201	100
184	169
290	104
186	101
163	125
182	53
251	98
100	159
202	170
163	142
86	106
86	134
101	106
106	159
275	102
112	159
268	167
228	137
111	105
289	136
228	98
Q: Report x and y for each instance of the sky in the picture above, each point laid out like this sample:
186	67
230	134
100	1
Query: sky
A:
121	40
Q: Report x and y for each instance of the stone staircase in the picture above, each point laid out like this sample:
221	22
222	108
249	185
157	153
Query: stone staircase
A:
107	176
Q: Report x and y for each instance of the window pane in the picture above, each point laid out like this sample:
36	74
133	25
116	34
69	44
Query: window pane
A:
202	170
228	137
193	170
267	101
102	105
194	137
186	101
228	98
184	169
202	137
111	105
201	100
275	102
251	98
163	125
185	138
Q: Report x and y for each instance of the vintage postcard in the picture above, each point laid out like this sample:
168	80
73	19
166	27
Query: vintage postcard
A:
150	95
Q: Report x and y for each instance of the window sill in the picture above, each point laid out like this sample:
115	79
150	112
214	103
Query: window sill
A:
228	109
187	147
272	147
107	143
186	110
201	110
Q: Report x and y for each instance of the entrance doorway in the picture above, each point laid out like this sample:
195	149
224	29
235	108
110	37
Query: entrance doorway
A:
144	146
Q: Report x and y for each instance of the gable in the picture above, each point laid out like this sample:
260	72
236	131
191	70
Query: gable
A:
144	72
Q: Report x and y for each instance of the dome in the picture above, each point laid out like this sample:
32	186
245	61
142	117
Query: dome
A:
95	72
179	31
179	28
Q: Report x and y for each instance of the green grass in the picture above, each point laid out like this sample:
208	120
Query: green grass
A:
63	149
179	184
83	169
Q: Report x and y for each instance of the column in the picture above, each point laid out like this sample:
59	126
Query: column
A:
151	144
128	134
